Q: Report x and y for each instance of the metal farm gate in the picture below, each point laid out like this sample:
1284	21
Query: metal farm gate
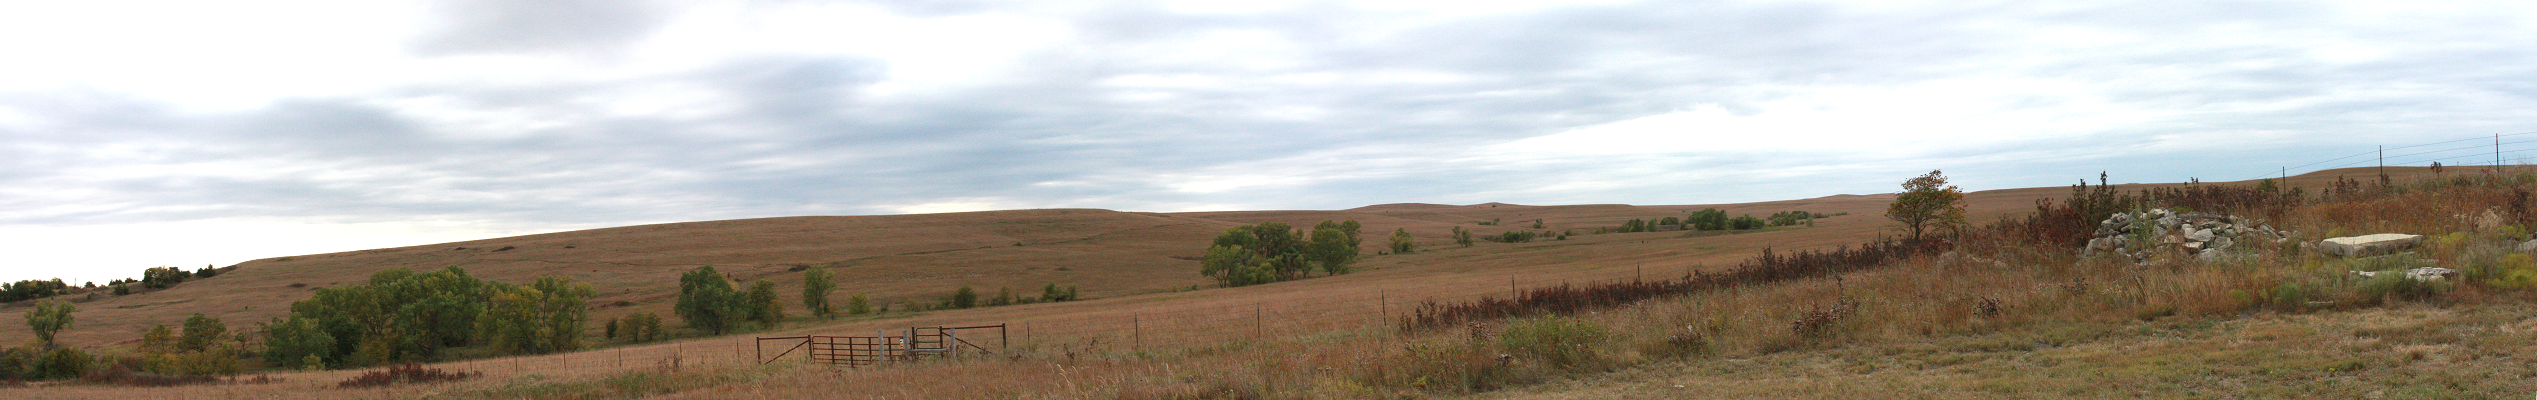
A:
913	344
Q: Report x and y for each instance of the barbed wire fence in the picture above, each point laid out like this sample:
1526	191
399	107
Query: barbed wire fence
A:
1122	332
2488	150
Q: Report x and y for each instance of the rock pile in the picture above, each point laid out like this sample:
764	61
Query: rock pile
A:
2140	235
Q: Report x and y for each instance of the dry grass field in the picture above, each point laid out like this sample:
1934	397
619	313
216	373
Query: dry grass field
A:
1143	333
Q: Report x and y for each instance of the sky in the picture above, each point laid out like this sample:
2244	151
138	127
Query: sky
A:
136	134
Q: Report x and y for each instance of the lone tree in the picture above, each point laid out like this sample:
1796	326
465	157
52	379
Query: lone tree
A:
1928	204
1402	242
49	317
708	302
815	286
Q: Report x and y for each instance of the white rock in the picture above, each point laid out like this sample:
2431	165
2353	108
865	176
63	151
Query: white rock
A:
2201	235
2528	246
2368	245
2430	274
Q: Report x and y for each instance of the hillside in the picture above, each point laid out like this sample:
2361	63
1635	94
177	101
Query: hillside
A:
1128	262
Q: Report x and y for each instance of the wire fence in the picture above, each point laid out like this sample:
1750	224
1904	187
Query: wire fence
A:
1179	325
2490	150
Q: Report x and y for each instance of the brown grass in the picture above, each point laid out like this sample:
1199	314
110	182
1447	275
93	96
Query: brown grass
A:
1322	337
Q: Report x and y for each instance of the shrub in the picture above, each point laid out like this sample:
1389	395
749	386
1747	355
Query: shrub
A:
860	304
2394	285
63	363
218	360
162	277
1563	343
963	298
201	332
1402	242
406	373
1003	297
2515	271
816	283
17	363
641	327
763	306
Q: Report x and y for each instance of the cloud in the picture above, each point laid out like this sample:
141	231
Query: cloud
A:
545	26
499	117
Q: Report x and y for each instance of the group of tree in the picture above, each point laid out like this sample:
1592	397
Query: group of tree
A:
400	316
32	289
153	278
710	303
42	358
1272	252
1792	218
1522	236
1462	236
201	350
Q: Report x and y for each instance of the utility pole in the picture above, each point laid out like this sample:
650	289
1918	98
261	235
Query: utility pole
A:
2497	153
2382	160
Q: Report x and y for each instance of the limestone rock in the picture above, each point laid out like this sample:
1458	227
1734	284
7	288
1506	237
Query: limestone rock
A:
2368	245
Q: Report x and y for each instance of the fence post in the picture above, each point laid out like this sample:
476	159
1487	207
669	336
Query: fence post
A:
1383	305
1136	332
1259	331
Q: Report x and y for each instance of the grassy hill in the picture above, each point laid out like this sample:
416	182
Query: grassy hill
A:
1130	264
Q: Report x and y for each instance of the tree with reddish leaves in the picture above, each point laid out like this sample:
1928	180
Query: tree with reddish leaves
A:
1928	204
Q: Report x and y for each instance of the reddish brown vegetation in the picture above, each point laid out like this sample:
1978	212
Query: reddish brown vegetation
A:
406	373
1567	299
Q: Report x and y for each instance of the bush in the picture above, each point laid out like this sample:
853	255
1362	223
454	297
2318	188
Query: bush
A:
63	363
963	298
406	373
201	332
162	277
1563	343
17	363
219	360
860	304
641	327
763	306
2394	285
2515	271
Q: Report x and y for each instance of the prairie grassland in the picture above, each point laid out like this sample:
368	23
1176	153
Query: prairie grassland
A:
1979	315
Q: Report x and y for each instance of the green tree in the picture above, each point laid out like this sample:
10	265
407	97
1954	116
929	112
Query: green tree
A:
816	283
1927	204
158	340
1708	219
707	302
858	305
545	316
1333	246
297	339
163	276
642	327
50	317
1402	242
1462	236
201	332
963	298
611	331
1052	293
763	306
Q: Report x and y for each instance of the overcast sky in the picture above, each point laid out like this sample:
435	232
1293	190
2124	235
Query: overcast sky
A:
189	133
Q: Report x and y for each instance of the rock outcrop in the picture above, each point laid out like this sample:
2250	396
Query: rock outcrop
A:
2368	245
2207	236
